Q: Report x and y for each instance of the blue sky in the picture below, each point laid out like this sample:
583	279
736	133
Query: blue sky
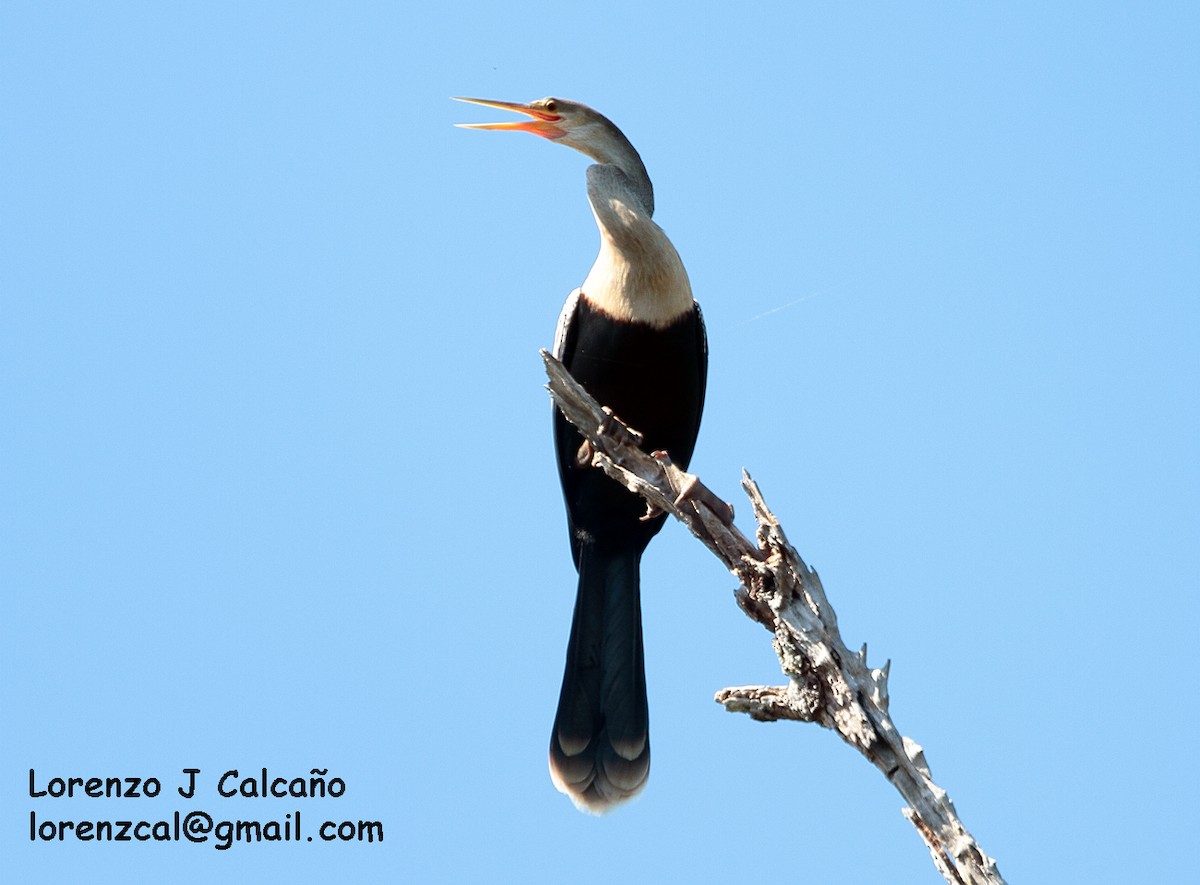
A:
277	477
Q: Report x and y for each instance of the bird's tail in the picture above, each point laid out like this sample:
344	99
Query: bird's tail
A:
600	746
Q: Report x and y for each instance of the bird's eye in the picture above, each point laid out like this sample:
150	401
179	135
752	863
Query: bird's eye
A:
552	106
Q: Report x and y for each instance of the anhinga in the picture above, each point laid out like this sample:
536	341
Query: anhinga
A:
634	338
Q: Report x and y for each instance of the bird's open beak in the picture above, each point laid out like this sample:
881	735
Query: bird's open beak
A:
543	123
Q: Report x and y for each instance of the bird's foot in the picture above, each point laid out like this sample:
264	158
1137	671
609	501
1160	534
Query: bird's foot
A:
692	489
653	512
697	492
613	428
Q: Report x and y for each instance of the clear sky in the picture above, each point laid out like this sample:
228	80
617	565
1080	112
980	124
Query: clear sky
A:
277	485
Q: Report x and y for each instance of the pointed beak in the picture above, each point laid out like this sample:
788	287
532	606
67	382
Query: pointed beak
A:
541	123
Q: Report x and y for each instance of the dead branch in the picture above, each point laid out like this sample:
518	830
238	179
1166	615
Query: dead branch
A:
827	683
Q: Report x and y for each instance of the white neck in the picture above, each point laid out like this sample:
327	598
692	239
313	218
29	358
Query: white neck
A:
638	276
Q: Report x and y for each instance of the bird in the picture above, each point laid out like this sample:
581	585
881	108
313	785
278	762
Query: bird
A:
633	335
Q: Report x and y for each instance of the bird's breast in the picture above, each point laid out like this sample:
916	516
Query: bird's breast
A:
639	285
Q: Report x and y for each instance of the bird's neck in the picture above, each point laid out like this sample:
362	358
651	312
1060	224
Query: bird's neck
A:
638	276
608	146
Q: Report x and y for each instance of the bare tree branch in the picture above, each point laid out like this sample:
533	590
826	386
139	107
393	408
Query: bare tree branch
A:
827	683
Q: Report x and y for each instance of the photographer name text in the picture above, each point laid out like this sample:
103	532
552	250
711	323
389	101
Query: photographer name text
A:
195	826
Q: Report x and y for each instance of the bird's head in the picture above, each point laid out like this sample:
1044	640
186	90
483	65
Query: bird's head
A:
576	126
569	123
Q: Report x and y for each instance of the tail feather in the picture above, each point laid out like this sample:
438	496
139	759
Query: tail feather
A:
600	746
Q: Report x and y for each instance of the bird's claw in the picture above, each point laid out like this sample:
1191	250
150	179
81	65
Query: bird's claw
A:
691	489
652	512
612	427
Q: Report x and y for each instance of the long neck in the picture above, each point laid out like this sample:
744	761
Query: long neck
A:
601	140
638	276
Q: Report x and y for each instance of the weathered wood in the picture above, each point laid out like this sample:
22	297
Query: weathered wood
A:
827	683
